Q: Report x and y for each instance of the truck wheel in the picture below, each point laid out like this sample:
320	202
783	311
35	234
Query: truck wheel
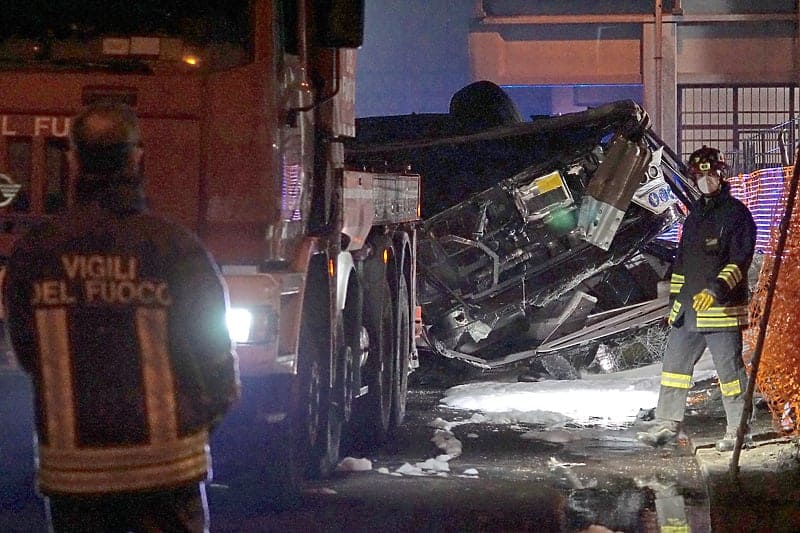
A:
318	424
349	338
373	425
403	328
346	376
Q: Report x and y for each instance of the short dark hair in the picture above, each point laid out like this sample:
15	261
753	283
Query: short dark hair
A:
104	135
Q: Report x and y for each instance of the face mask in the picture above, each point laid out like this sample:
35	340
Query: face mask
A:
707	185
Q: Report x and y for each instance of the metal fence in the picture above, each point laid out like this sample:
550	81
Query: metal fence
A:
754	126
767	148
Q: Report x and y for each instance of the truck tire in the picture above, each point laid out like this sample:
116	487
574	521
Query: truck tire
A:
317	421
346	376
403	344
348	334
373	422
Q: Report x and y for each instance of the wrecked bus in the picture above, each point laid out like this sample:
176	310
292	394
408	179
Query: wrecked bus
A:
538	236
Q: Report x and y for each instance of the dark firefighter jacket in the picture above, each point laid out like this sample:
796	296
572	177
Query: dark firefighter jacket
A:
714	253
119	318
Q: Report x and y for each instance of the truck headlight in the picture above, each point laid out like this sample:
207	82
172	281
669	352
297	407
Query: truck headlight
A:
239	323
252	325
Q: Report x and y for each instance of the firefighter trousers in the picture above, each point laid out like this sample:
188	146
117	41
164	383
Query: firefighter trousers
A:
684	349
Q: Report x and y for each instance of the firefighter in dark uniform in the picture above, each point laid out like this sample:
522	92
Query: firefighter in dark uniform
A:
119	318
710	292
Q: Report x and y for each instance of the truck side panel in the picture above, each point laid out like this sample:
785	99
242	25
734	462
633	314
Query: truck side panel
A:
240	157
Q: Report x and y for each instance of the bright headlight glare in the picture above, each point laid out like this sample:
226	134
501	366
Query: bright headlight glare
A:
239	322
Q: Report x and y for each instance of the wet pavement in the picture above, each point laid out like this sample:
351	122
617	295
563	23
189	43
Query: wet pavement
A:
20	508
564	481
561	481
762	493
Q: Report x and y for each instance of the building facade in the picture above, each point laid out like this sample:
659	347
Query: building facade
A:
718	72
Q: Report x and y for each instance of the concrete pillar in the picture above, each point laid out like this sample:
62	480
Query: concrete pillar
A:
665	122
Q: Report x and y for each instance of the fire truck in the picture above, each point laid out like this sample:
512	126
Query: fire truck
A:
244	106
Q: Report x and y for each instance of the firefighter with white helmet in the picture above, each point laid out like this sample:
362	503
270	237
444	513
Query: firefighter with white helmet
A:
709	301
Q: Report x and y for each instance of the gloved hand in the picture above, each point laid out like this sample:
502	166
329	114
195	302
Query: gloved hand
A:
703	300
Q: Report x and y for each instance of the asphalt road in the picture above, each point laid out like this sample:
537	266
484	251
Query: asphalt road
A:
592	477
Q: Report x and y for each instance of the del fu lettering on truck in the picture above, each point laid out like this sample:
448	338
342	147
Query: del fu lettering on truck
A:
27	125
100	280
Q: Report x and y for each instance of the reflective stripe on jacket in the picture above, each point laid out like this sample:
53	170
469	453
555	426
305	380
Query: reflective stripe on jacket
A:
76	470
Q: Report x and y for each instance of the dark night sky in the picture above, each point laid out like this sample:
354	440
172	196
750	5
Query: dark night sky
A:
414	56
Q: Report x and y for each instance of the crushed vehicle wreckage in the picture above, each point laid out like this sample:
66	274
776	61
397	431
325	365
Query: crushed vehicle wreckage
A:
537	236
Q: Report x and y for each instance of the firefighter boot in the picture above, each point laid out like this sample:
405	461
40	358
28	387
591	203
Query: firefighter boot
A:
663	432
734	408
728	442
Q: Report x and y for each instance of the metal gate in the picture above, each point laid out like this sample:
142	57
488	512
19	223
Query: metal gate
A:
755	126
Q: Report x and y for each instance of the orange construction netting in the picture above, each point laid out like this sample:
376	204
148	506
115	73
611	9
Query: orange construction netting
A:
778	377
